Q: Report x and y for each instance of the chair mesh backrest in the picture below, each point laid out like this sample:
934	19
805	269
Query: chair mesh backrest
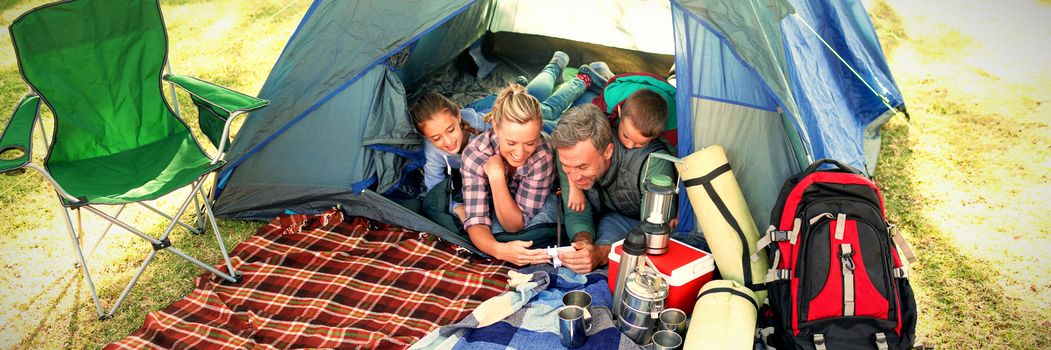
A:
97	64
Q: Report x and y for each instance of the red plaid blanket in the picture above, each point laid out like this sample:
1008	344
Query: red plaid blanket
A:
322	282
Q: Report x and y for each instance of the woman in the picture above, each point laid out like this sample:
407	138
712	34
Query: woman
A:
507	176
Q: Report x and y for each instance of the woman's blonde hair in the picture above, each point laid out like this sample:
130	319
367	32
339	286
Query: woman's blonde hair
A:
514	104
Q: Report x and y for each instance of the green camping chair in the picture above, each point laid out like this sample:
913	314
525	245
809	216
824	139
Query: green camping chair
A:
98	66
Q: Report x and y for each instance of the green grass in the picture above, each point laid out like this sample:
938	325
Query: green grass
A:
45	301
966	179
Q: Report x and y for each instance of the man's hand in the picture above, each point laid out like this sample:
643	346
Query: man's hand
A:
518	253
587	256
494	167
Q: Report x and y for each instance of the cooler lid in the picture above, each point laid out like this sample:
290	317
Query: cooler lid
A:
680	265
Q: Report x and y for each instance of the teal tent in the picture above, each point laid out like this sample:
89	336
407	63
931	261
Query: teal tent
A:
777	82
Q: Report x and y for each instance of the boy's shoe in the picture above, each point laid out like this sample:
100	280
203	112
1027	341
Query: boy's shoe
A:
521	80
561	59
602	69
595	82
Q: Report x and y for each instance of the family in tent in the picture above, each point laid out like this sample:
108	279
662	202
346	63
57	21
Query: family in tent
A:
500	168
419	198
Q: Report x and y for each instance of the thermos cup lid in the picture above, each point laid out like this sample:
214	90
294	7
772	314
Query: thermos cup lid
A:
635	243
661	180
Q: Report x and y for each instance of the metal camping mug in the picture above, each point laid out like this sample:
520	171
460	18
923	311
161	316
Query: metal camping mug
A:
582	299
673	320
666	340
571	328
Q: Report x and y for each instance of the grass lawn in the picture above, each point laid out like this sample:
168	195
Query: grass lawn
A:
966	177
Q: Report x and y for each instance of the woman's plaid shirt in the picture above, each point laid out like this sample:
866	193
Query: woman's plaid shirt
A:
530	184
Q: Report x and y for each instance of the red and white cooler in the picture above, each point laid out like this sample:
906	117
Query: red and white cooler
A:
685	268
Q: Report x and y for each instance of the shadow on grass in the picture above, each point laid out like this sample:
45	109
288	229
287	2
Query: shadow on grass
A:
962	305
46	316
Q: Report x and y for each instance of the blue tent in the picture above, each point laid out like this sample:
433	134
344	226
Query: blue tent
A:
777	82
780	84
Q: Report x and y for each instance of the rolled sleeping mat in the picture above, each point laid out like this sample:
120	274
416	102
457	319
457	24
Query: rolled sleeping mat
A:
724	317
723	215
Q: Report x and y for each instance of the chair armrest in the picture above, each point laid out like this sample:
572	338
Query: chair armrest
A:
216	96
215	105
18	135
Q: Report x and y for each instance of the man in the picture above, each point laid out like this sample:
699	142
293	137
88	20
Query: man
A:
611	177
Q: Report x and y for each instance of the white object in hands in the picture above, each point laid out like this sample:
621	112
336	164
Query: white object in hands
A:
555	251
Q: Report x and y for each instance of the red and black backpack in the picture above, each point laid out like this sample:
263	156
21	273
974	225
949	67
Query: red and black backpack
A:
836	280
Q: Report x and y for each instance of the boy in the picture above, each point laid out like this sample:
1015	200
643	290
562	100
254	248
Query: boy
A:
641	107
623	87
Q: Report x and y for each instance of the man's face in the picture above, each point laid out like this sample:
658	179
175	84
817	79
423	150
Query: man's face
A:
584	164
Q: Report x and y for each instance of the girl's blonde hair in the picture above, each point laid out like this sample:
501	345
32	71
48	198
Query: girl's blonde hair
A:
514	104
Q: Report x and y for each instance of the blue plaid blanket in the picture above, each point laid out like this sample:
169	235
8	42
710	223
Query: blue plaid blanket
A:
527	317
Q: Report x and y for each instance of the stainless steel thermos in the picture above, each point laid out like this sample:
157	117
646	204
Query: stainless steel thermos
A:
634	249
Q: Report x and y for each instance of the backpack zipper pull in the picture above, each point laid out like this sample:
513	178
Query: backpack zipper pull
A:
818	217
845	254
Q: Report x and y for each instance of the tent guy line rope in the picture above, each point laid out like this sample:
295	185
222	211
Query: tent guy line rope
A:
19	183
807	142
883	98
919	133
770	48
290	3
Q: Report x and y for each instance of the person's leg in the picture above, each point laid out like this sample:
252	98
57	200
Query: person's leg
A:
548	214
549	126
601	69
694	238
585	98
544	83
552	107
483	104
595	80
495	227
613	227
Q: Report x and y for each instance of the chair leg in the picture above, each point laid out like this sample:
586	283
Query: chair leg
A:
83	264
200	211
192	229
163	244
104	232
134	280
80	228
159	244
218	236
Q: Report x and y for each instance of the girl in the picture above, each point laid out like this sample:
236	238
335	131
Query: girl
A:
447	128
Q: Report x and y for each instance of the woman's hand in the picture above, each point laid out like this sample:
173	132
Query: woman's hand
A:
495	168
460	212
518	253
